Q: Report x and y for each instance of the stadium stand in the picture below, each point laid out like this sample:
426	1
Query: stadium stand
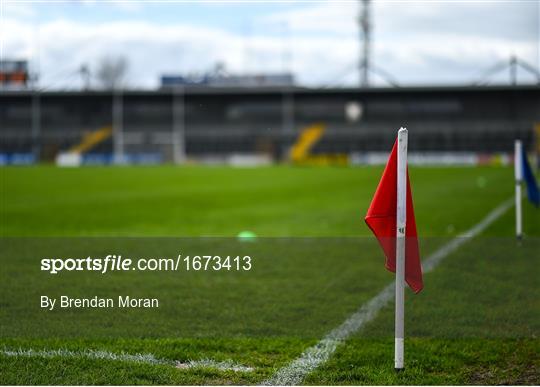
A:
219	122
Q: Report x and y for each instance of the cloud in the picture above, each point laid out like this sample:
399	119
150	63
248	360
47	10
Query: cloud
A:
334	18
150	49
14	9
418	44
398	19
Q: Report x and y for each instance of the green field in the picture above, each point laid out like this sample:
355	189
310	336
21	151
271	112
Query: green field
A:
477	321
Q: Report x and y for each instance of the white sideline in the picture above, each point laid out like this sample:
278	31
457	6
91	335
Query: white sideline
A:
318	354
146	358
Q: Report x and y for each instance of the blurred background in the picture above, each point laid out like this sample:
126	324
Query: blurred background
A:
255	83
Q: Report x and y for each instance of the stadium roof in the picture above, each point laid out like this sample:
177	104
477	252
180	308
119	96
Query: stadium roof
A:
278	90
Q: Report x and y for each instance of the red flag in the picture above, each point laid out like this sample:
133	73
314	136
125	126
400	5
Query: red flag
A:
381	219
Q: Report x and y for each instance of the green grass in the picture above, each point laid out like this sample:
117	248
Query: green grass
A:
196	201
475	322
433	362
262	354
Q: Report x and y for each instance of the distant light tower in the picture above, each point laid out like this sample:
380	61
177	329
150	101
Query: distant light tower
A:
84	72
365	32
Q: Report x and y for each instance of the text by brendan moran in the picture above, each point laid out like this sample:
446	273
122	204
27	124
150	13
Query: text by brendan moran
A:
50	303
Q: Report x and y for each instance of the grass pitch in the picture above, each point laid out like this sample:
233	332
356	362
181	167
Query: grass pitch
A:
475	322
217	201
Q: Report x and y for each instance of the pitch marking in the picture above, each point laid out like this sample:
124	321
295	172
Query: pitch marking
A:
318	354
125	357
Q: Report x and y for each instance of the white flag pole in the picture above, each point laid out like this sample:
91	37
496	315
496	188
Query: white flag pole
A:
400	247
518	173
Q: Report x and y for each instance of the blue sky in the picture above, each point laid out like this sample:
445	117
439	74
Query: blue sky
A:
418	42
234	17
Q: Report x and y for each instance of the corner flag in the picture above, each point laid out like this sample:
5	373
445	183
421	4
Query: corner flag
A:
532	187
381	219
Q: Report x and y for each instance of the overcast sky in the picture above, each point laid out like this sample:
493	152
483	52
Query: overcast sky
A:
418	42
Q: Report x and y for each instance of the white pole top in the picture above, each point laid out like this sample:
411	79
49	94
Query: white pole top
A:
402	180
517	160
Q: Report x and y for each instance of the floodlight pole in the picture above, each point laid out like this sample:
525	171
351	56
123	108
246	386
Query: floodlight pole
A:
518	173
365	37
513	70
401	221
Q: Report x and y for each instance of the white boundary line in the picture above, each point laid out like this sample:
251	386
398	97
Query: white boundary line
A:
146	358
318	354
311	358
